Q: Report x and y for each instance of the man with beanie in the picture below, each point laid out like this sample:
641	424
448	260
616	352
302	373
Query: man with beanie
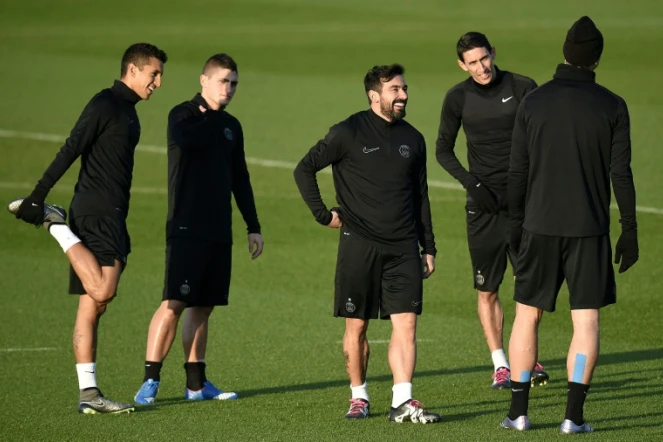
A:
571	138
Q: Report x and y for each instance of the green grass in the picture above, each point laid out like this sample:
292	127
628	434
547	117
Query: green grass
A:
277	344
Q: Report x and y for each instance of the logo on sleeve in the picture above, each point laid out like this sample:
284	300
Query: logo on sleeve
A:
404	150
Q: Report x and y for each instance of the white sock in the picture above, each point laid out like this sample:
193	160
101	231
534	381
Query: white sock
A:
499	359
87	375
64	236
360	392
402	393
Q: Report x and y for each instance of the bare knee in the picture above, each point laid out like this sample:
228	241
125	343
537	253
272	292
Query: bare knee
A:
585	320
172	309
203	312
528	314
89	308
355	328
404	326
489	298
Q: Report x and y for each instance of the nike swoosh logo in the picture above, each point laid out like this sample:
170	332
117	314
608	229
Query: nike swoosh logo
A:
415	304
367	150
504	100
34	205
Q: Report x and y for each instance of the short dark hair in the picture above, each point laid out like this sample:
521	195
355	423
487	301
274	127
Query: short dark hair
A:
471	40
220	61
139	54
381	74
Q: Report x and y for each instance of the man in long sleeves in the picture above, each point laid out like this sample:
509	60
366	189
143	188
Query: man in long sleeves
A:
206	168
97	241
485	104
570	140
383	213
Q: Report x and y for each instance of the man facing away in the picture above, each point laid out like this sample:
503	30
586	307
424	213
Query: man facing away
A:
570	140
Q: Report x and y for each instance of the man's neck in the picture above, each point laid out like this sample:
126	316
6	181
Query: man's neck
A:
211	103
380	114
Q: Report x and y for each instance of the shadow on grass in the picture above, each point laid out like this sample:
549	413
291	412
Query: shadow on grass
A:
606	359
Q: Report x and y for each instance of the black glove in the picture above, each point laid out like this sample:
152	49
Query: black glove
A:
483	197
516	238
627	249
31	209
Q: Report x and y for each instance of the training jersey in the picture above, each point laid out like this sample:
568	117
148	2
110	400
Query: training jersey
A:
379	172
486	113
571	138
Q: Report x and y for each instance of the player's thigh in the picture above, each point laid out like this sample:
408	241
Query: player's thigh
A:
488	246
108	240
215	287
185	270
402	285
589	272
357	280
539	271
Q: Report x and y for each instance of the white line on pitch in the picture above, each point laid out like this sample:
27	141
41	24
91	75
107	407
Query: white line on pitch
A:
16	350
38	136
386	341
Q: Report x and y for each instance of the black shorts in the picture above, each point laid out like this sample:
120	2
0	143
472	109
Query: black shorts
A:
197	272
106	237
488	241
586	264
371	282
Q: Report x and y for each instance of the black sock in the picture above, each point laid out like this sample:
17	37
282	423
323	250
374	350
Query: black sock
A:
195	375
152	371
575	402
519	399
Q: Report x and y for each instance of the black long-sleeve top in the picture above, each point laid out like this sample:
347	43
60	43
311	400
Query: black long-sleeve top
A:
486	113
105	137
206	167
379	171
570	139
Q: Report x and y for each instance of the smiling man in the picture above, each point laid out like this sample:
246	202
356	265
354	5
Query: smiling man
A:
379	166
97	241
485	105
206	167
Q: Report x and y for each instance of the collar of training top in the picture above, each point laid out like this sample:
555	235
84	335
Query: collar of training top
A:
568	72
125	92
200	101
379	121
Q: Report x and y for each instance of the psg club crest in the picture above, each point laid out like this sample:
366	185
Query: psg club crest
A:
349	306
480	279
404	150
228	133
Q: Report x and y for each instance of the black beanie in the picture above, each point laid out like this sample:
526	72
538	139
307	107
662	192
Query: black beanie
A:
584	43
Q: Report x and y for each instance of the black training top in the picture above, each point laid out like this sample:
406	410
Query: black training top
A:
206	166
571	137
486	113
379	171
105	137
